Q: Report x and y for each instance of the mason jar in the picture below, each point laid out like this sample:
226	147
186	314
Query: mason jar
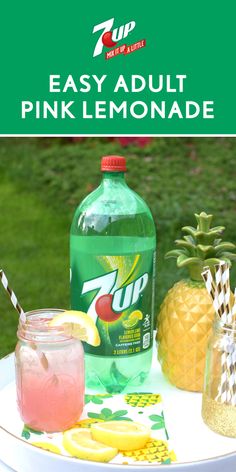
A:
49	373
219	394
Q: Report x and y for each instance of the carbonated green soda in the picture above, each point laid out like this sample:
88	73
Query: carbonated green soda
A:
112	257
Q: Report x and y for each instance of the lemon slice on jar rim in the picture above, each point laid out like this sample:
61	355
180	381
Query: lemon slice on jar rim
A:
78	325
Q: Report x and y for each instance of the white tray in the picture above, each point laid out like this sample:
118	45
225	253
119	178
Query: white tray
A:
197	448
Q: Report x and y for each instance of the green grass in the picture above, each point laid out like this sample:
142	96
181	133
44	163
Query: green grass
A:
33	248
43	180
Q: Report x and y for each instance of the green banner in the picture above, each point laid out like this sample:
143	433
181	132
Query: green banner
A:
117	68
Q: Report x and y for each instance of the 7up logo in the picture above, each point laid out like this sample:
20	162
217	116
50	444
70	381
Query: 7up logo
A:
109	37
110	301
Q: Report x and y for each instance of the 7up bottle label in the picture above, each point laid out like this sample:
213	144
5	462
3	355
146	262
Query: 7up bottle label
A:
117	292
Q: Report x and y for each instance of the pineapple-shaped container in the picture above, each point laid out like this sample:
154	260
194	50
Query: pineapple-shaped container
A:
186	314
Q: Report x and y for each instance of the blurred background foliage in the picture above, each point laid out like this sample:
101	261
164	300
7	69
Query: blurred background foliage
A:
42	180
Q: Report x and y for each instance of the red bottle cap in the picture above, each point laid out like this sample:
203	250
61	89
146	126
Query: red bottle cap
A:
113	164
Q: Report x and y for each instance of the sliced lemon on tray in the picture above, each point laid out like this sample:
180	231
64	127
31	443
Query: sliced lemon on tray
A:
47	447
78	325
124	435
79	443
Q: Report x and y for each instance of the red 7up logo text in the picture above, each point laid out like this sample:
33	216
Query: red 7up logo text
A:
108	37
110	301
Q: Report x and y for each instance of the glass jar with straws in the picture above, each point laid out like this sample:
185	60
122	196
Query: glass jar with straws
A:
219	395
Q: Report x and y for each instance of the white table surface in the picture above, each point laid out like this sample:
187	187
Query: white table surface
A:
5	468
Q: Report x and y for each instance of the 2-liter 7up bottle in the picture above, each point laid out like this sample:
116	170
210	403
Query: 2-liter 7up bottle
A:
112	248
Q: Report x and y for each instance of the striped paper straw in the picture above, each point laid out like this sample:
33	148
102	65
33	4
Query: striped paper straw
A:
233	312
230	371
234	368
223	387
220	291
19	309
225	393
211	288
227	387
226	290
12	296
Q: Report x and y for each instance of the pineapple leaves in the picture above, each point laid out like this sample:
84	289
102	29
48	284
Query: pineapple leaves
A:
202	246
190	239
185	244
184	261
205	251
190	230
204	221
211	261
175	253
217	241
107	415
159	423
227	246
26	432
217	229
97	399
228	255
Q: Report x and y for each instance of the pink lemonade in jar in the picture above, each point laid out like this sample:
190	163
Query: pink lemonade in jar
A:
49	374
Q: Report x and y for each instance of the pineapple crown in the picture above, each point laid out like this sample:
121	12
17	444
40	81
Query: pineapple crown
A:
202	246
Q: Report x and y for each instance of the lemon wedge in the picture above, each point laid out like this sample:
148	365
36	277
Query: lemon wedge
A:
124	435
80	443
78	325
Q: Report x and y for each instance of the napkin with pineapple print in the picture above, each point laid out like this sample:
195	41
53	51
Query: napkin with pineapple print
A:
145	408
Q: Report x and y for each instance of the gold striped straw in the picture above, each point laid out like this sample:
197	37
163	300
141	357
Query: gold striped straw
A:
219	288
211	288
223	289
233	312
226	290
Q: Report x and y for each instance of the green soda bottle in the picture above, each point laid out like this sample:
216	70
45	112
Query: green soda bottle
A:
112	257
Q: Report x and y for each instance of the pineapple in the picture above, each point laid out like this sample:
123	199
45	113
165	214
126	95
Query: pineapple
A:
142	399
155	450
186	314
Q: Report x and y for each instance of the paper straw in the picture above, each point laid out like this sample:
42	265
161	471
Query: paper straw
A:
211	288
220	291
226	290
19	309
233	311
230	371
12	296
234	368
223	289
223	387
